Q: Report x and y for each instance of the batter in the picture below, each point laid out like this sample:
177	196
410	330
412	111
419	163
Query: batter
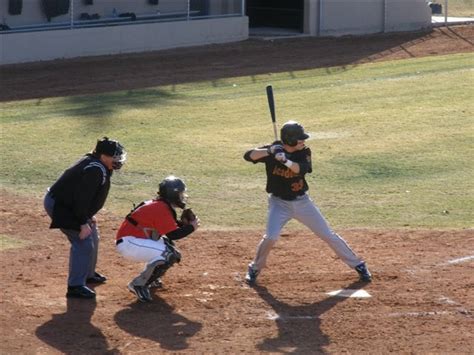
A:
286	163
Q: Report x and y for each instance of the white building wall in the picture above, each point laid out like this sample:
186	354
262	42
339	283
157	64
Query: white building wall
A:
359	17
407	15
48	45
322	18
351	17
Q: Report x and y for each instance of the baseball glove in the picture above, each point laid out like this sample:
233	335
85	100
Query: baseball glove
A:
187	216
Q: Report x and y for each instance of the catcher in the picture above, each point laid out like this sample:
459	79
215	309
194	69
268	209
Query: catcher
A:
148	232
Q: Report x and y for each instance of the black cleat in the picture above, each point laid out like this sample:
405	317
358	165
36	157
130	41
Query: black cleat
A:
96	279
364	274
142	292
79	292
156	284
251	276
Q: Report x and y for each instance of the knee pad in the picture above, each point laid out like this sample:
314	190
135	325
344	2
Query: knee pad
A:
172	255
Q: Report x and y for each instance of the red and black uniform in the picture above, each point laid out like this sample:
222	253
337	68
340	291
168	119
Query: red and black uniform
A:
157	215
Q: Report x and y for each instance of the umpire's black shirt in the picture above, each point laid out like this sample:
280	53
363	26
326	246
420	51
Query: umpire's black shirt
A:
80	193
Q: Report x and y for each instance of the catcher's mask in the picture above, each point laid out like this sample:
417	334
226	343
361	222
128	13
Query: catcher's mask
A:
113	149
172	189
292	132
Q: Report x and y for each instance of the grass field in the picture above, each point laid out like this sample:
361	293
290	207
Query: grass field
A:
392	142
8	242
458	8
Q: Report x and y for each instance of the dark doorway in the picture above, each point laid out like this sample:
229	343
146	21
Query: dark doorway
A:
276	13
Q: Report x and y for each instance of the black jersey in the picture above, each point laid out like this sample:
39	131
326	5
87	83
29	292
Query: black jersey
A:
80	193
281	180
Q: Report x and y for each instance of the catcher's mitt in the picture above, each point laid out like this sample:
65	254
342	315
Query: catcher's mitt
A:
187	216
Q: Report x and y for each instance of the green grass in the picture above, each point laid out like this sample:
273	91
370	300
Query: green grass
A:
9	242
458	8
392	142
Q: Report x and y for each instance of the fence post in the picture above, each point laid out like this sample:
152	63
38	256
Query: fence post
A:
445	12
243	8
320	22
189	9
71	12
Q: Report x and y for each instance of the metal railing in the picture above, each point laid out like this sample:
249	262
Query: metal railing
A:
188	12
445	12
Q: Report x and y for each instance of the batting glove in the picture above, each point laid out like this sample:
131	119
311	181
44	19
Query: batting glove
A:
281	157
275	149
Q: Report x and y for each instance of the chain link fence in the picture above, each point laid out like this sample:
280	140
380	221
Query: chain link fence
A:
452	11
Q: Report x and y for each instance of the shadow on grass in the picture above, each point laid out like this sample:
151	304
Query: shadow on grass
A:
88	76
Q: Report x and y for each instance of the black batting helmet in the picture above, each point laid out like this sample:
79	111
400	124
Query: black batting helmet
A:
291	132
171	189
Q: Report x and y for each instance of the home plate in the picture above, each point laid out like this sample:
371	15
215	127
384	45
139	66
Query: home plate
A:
350	293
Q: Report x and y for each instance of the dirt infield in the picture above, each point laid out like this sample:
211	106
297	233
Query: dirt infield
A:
421	298
210	63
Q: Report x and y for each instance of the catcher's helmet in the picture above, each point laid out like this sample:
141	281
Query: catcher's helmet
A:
113	149
291	132
172	190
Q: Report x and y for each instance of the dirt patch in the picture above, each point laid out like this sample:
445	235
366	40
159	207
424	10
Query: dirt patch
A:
209	63
421	295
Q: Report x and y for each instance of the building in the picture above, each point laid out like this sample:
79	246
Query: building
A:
34	30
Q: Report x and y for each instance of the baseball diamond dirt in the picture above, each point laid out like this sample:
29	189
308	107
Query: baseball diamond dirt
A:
420	300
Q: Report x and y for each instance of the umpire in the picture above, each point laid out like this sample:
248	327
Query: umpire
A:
72	202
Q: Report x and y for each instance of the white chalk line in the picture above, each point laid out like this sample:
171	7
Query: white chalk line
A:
419	314
461	260
276	316
427	268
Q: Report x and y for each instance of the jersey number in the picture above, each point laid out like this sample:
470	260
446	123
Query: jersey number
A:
297	186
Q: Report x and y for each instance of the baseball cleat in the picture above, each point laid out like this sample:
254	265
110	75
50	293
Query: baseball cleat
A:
251	276
96	279
79	292
142	292
156	284
364	274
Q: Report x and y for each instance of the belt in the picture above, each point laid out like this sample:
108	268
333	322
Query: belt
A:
290	198
118	241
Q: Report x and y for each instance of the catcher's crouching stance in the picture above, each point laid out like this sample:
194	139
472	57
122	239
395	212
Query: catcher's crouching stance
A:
148	232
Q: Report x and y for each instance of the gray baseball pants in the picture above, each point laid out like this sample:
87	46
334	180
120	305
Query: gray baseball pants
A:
83	253
304	210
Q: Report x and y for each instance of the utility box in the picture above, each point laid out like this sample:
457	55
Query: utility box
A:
436	9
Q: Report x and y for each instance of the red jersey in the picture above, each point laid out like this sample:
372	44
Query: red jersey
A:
154	214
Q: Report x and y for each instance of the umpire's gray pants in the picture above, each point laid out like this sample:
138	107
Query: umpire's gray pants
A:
83	253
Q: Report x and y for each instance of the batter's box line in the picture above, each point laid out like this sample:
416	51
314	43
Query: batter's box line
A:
426	268
431	313
459	260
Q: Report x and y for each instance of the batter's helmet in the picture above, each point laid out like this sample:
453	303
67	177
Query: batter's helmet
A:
291	132
172	190
113	149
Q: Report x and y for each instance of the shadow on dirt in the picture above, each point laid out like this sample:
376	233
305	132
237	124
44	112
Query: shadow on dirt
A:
86	76
158	322
72	332
299	327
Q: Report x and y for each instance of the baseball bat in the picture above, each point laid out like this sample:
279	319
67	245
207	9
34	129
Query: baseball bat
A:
271	105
